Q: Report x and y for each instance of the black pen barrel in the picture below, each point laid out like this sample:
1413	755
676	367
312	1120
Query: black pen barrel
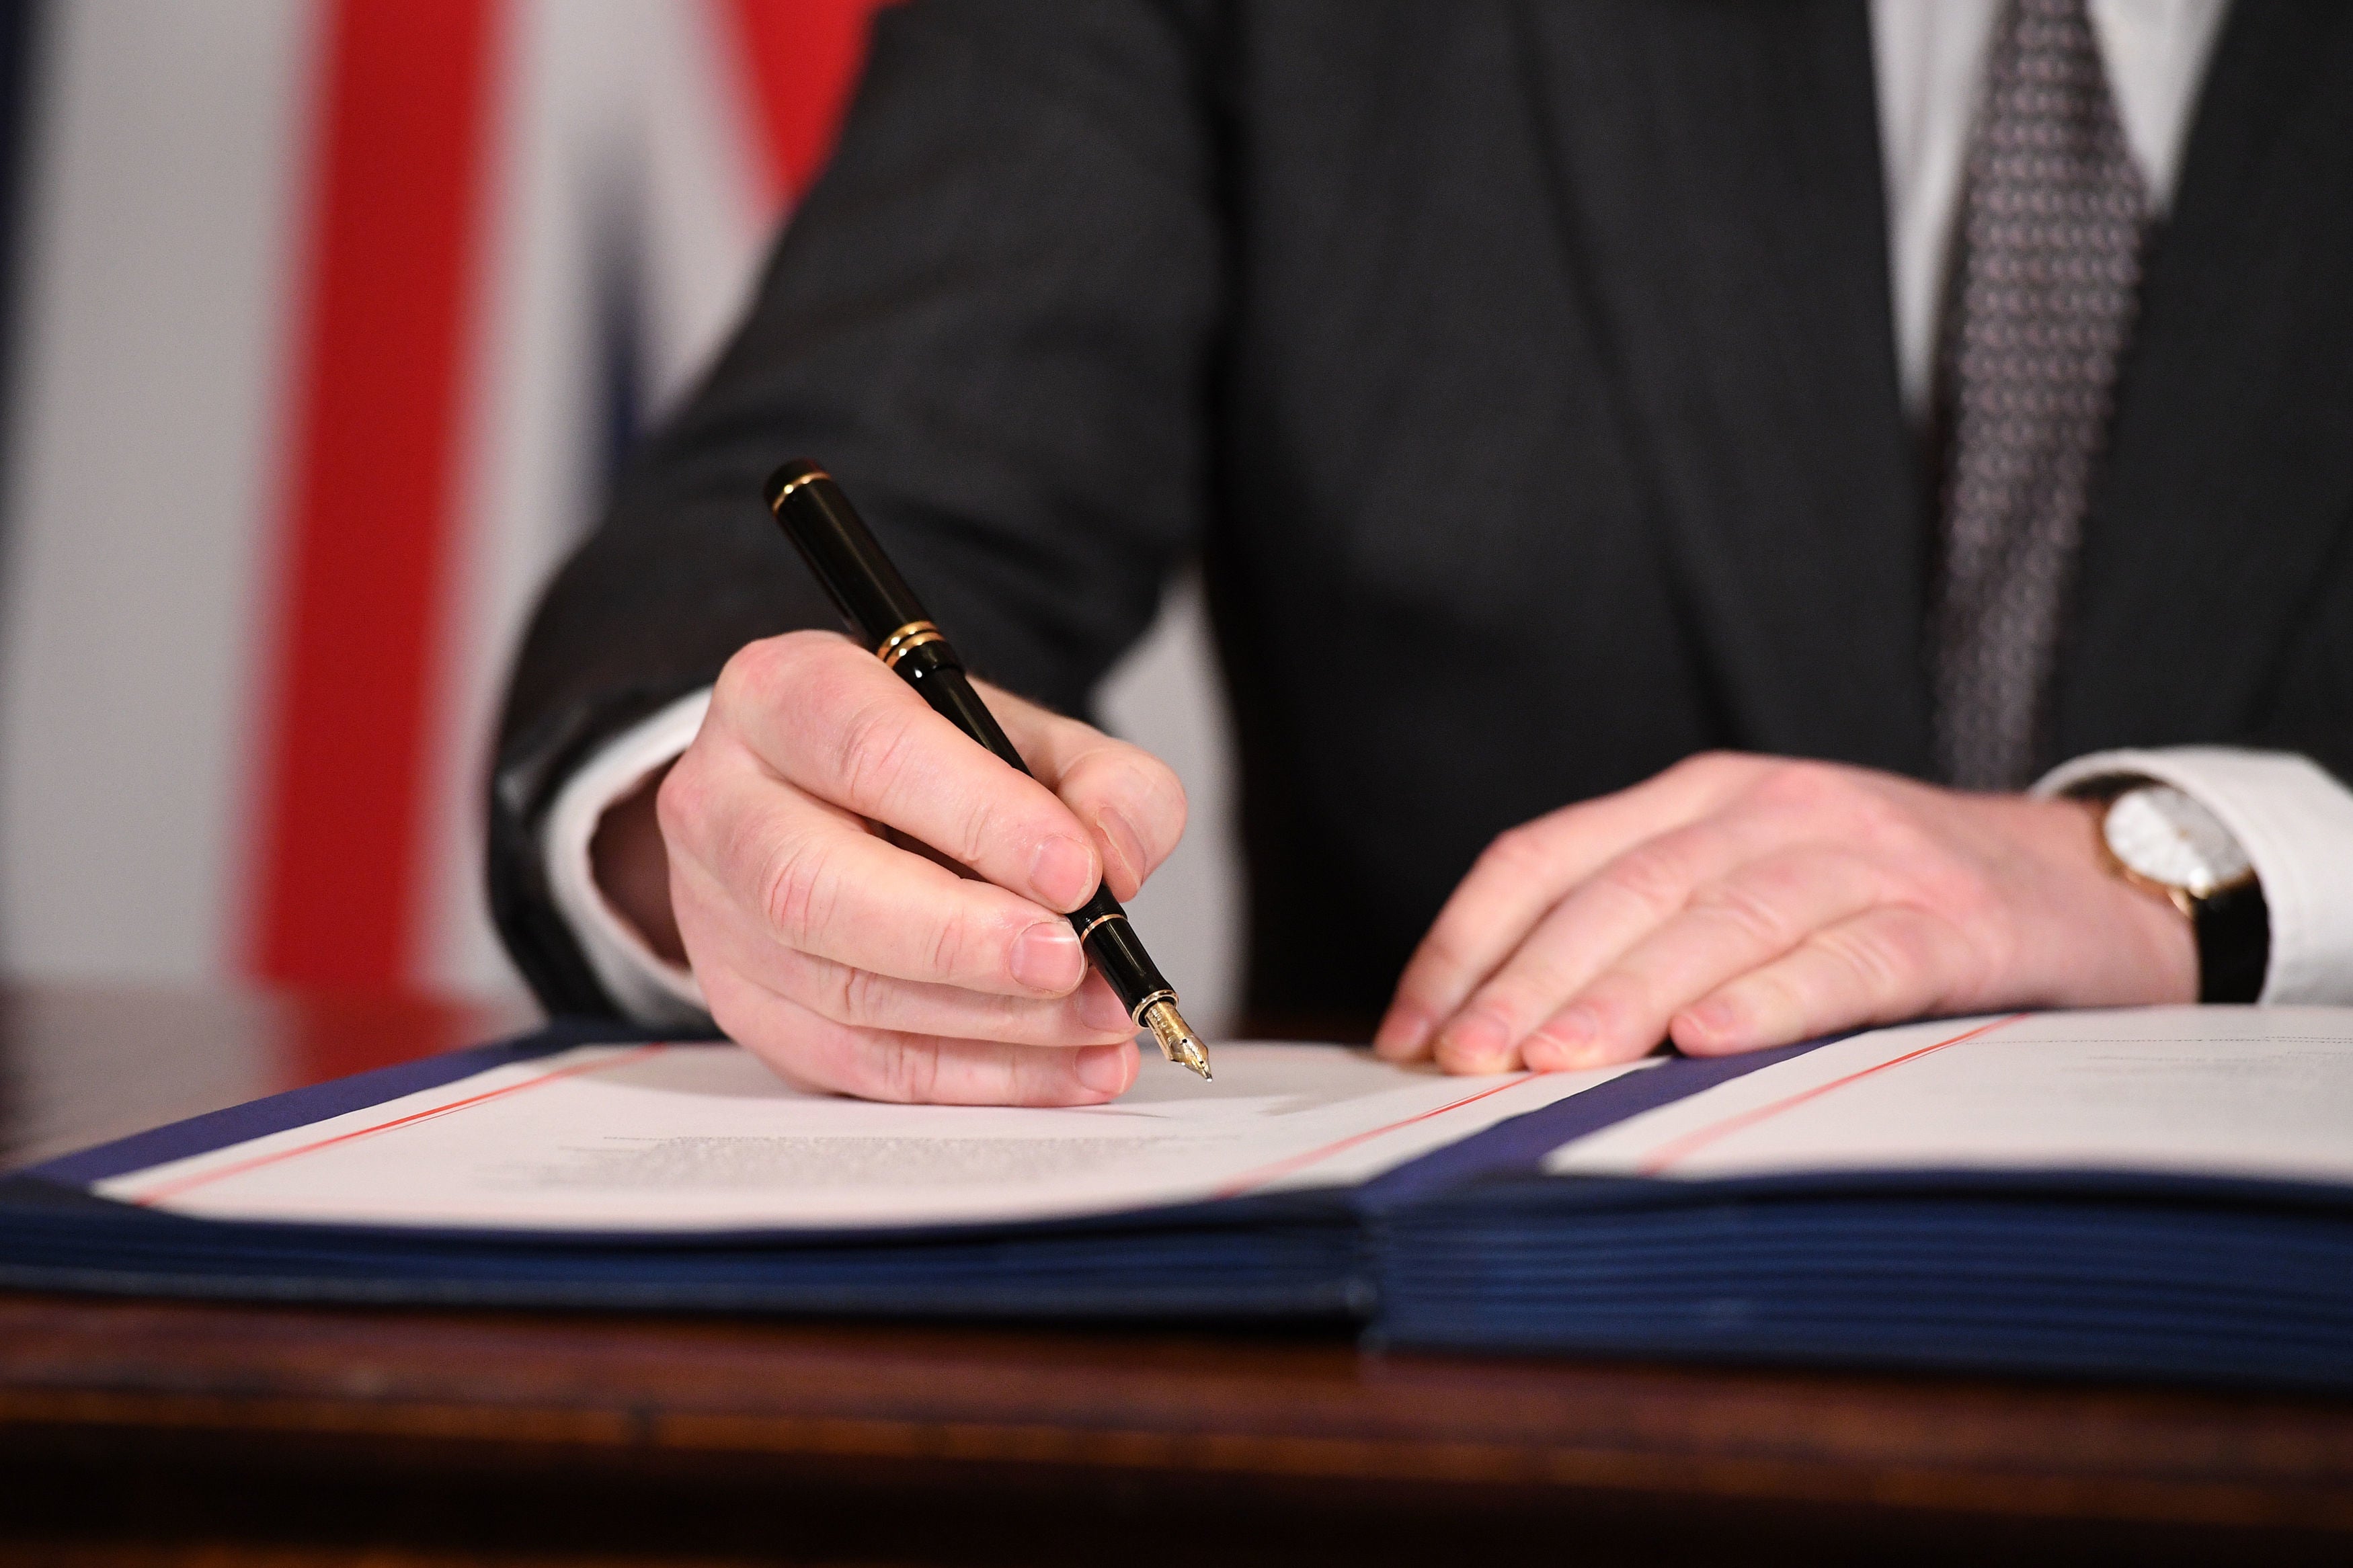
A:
1114	949
887	616
1103	926
842	556
936	671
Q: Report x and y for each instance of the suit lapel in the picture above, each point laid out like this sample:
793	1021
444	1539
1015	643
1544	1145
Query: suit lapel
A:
2230	481
1718	178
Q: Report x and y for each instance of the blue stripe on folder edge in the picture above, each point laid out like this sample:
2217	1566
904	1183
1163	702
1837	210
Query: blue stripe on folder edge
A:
1517	1147
301	1107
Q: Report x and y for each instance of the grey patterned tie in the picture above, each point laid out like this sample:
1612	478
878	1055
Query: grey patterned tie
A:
2043	301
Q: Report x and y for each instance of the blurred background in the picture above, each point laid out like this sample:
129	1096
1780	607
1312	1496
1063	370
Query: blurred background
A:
326	325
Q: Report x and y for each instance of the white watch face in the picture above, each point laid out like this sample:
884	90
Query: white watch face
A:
2169	838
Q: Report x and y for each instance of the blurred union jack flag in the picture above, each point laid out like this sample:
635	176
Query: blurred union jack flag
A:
326	321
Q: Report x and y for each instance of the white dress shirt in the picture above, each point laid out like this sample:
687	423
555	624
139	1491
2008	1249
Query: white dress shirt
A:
2295	821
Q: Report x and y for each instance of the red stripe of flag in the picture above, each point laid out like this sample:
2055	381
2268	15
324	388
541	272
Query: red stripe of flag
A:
377	406
805	56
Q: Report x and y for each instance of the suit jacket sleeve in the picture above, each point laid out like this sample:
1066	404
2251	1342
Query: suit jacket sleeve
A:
995	320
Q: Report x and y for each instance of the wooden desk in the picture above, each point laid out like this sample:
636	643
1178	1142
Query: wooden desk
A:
164	1433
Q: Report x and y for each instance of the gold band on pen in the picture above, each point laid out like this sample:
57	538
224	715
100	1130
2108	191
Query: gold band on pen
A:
905	640
813	475
1136	1015
1088	929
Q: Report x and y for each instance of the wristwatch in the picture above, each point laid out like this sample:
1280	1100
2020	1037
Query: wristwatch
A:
2163	841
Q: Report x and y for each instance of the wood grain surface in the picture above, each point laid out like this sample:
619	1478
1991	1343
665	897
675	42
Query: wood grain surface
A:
164	1432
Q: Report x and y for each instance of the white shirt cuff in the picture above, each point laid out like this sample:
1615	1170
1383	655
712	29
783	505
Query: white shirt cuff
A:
645	988
2296	822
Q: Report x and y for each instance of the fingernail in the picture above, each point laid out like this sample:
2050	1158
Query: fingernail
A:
1475	1041
1062	873
1046	957
1402	1033
1099	1009
1127	845
1712	1020
1102	1068
1566	1043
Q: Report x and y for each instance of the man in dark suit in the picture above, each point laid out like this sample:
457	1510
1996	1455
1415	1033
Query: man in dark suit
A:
1670	474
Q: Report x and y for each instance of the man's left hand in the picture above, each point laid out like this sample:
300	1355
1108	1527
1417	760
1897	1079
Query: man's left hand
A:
1737	902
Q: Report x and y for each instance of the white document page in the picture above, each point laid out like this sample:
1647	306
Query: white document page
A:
2252	1092
693	1137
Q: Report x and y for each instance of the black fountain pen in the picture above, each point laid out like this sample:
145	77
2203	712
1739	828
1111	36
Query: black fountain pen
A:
886	616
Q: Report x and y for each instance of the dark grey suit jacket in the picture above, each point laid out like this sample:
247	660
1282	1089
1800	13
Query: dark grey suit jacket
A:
1523	374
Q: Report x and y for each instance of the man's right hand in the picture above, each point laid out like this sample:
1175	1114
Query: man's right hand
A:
830	945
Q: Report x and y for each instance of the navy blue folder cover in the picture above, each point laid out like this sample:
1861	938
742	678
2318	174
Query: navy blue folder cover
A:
2180	1278
1277	1255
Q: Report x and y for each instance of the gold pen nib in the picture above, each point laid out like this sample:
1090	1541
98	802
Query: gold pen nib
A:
1178	1041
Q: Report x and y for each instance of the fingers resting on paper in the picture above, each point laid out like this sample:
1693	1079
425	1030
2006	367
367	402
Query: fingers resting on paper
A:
1737	902
875	904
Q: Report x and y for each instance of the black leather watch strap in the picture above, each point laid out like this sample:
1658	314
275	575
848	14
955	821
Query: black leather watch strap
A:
2234	943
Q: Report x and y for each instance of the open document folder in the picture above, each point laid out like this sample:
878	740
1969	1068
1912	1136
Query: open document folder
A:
2161	1191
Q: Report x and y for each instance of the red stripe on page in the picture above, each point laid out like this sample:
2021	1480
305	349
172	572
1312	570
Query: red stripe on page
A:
206	1178
373	489
804	58
1700	1138
1284	1167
